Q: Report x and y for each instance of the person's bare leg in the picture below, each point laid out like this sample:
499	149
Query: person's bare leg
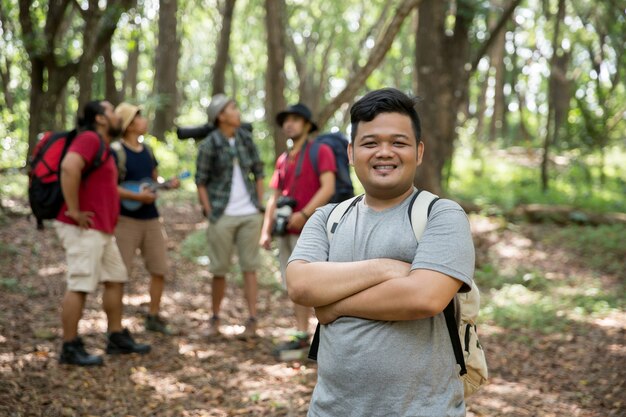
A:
218	289
157	283
71	313
250	291
113	305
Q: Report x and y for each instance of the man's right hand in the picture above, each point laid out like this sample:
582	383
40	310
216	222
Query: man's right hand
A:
146	196
84	219
266	241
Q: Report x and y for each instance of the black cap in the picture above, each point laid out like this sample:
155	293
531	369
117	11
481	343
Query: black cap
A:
300	110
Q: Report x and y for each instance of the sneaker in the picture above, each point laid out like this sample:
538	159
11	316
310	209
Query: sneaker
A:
295	348
250	330
73	353
214	327
154	323
123	342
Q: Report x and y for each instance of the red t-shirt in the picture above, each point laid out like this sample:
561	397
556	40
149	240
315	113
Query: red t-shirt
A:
98	192
306	185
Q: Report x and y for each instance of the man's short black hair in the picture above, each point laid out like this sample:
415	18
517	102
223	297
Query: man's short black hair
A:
88	120
385	100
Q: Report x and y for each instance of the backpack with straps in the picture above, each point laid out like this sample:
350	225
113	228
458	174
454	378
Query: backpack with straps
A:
44	180
468	351
120	156
339	145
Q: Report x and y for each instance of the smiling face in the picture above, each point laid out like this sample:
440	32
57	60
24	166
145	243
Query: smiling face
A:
385	155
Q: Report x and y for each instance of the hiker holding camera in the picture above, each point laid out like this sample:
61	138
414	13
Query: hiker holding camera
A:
229	178
298	191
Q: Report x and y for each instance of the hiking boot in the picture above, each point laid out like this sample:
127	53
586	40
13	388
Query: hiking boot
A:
154	323
294	349
122	342
214	327
73	353
250	329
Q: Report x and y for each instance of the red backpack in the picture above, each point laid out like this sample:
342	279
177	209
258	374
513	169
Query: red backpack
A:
44	185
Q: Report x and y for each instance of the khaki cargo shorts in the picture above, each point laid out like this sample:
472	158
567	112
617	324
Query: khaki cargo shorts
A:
228	232
92	257
146	235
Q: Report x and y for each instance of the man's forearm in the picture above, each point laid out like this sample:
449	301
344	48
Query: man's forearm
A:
260	190
321	283
203	198
423	294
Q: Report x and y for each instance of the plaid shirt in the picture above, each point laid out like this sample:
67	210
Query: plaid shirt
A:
214	168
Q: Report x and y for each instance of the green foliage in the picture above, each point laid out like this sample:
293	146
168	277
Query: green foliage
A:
507	179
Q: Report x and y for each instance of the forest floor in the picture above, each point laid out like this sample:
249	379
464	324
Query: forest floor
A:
575	370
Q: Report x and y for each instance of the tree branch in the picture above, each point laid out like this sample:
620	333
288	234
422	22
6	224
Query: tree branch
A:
493	34
357	80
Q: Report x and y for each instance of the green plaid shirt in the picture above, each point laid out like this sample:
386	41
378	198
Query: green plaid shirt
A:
214	168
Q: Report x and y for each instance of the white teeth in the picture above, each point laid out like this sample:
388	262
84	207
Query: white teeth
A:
384	167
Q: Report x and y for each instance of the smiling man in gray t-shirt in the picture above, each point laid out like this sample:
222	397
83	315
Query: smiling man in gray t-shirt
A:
384	345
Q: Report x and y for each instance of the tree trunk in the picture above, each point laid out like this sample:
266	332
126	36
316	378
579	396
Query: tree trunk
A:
551	128
166	68
111	92
129	88
219	69
440	64
275	74
499	104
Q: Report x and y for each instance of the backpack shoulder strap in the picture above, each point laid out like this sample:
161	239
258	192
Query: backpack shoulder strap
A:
419	209
314	151
120	154
334	217
97	162
337	213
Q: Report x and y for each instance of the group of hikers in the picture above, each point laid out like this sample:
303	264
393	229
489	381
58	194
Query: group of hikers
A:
379	295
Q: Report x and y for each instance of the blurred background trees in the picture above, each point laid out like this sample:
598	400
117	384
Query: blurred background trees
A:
537	82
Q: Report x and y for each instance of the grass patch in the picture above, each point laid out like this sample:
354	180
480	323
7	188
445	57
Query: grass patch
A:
15	286
503	180
602	247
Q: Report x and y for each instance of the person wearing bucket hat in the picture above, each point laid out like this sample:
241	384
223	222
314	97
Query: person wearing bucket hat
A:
229	179
141	229
297	184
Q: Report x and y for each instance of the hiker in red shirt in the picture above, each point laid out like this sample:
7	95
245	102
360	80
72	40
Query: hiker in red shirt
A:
85	226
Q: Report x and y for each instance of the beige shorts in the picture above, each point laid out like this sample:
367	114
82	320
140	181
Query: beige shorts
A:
146	235
243	232
92	257
286	245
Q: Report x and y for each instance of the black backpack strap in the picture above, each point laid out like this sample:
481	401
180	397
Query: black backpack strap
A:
453	330
315	343
97	161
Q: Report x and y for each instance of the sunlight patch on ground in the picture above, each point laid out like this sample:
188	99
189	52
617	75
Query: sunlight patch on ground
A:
136	299
482	224
515	248
52	270
166	385
616	319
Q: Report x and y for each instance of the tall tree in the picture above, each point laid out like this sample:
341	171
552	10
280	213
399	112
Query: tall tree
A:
166	68
51	66
444	64
275	73
557	74
219	69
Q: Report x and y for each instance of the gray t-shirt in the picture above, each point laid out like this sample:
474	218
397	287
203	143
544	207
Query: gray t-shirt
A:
389	368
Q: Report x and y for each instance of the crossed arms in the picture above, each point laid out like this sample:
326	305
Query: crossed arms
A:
375	289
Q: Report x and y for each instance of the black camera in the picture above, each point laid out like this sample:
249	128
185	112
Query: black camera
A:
284	208
201	132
